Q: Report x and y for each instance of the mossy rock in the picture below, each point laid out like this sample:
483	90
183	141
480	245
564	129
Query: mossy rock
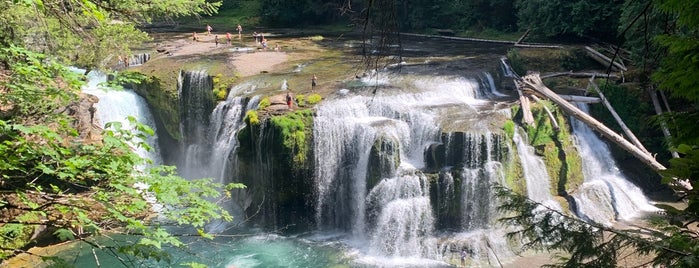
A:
384	158
165	103
563	163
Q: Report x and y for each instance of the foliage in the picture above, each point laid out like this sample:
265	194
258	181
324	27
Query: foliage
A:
87	33
51	175
595	245
569	18
516	62
295	133
264	103
314	98
295	13
300	100
509	128
36	86
220	88
251	118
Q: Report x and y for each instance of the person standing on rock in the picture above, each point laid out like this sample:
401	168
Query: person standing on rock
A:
216	40
209	29
288	100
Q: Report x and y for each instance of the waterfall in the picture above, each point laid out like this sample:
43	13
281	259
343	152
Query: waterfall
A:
196	105
117	105
210	138
404	218
389	208
488	84
605	195
138	59
535	174
341	163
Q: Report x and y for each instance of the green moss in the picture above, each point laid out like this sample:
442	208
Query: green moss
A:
251	118
514	174
509	128
264	103
295	133
563	163
314	98
164	100
14	236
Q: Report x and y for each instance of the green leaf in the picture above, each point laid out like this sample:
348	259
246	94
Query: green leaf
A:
64	234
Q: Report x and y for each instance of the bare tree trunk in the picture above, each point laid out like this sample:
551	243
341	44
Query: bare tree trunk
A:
523	36
577	75
527	116
663	125
621	123
582	99
601	58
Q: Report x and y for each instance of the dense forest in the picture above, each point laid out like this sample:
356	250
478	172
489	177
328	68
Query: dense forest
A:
57	172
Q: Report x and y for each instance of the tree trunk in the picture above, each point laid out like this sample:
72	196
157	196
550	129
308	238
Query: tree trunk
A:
527	116
534	82
623	126
577	75
582	99
523	36
663	125
548	111
601	58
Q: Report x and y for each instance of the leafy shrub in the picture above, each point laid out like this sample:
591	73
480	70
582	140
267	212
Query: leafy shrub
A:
301	100
251	118
264	103
314	98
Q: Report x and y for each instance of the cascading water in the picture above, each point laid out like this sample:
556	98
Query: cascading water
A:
606	195
538	181
389	212
117	105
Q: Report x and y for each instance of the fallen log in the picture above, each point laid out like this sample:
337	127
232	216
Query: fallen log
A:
578	75
663	124
616	116
601	58
534	82
484	40
527	116
581	99
523	36
548	111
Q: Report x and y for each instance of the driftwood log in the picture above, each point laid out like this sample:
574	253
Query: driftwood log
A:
601	58
581	99
616	116
578	75
548	111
